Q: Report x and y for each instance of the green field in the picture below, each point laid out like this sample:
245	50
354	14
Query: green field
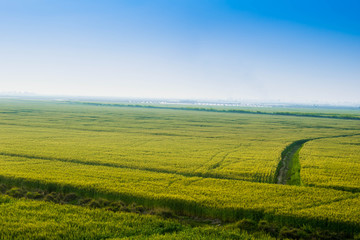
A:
333	163
204	163
28	219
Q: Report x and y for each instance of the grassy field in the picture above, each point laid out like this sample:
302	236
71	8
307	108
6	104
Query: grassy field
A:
29	219
210	164
333	163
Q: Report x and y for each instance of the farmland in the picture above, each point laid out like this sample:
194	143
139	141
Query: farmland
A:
208	163
333	163
42	220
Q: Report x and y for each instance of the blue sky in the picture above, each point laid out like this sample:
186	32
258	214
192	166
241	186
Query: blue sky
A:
289	51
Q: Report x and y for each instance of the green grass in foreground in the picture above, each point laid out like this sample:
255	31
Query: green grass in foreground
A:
28	219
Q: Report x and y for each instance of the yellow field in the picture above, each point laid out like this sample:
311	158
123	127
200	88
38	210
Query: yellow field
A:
332	162
210	164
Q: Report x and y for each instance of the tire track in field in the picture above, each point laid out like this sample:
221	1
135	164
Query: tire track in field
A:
345	198
113	165
218	164
113	130
338	188
287	164
210	160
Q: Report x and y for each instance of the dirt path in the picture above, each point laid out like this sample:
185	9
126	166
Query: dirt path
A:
290	162
286	160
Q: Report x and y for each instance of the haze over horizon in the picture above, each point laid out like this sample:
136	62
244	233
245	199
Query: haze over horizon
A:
288	51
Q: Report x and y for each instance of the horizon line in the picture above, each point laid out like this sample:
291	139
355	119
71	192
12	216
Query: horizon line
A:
164	100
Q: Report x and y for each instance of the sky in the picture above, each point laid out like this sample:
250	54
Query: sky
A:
302	51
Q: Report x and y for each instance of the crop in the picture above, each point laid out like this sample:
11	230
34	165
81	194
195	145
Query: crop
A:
201	163
27	219
332	162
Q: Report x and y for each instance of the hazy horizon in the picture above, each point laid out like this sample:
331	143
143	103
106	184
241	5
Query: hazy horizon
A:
183	101
296	52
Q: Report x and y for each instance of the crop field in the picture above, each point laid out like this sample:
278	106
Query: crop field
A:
28	219
332	162
208	164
